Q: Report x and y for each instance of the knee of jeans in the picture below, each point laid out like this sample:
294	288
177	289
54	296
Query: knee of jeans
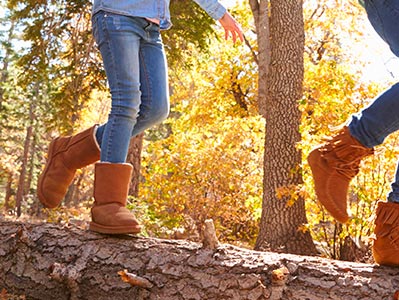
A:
394	49
158	114
124	111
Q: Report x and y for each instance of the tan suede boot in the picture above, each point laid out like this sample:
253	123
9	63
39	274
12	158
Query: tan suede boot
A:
109	213
333	165
65	156
386	234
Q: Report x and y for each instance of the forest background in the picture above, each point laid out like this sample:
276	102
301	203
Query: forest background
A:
206	161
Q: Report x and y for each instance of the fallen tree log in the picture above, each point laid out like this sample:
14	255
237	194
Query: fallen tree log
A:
44	261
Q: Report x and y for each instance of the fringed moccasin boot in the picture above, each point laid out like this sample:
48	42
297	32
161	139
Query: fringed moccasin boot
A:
333	165
386	234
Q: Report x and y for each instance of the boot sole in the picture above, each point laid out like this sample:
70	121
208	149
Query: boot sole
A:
114	229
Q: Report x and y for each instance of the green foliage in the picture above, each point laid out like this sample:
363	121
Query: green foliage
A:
61	54
191	27
59	58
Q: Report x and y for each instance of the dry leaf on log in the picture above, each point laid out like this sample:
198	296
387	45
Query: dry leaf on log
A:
135	280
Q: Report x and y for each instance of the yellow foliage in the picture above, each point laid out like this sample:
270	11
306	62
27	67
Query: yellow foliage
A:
303	228
290	193
211	165
332	94
333	91
65	215
210	173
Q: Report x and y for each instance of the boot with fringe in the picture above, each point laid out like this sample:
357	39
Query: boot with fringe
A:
386	234
333	165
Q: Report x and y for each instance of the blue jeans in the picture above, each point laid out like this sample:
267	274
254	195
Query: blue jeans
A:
371	126
135	65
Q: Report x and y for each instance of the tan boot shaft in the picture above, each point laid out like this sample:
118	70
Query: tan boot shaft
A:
109	212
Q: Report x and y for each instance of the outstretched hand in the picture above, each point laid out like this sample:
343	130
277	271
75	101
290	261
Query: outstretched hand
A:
231	27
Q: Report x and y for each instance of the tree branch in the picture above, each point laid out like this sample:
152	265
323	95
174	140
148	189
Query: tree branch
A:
44	261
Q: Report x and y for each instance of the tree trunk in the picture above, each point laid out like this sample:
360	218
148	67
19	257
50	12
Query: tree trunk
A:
260	11
31	163
8	195
134	157
283	218
22	173
49	262
21	190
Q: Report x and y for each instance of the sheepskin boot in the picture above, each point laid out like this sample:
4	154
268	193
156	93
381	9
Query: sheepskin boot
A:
66	155
111	186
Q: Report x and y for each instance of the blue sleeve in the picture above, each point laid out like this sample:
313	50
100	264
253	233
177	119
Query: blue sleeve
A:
213	8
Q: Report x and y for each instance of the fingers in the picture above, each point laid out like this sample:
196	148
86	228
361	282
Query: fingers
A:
234	33
238	32
226	34
231	27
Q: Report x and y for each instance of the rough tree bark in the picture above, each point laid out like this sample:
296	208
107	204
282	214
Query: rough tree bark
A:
44	261
21	190
260	11
134	157
8	193
281	223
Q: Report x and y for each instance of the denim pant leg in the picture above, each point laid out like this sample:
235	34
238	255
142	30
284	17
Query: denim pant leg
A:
152	87
118	39
381	118
135	63
373	124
